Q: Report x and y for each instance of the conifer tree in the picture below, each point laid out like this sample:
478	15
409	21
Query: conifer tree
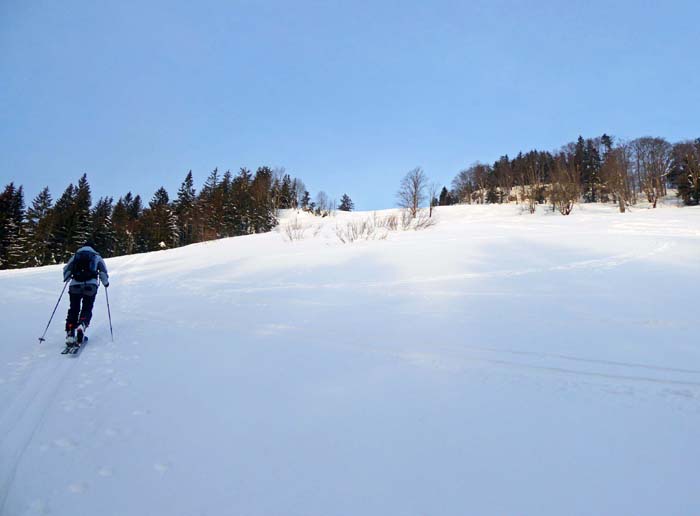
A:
591	172
40	228
5	217
242	199
103	234
286	193
210	207
186	210
14	245
228	205
159	224
125	219
445	198
306	201
83	216
346	203
64	225
263	214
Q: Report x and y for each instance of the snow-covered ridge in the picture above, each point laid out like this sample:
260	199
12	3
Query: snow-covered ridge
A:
494	363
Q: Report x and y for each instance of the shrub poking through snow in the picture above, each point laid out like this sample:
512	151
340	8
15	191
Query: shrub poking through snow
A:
294	230
366	229
378	228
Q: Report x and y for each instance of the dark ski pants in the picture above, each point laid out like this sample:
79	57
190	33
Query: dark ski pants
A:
81	293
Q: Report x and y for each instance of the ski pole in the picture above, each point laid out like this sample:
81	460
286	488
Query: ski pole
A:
42	339
109	314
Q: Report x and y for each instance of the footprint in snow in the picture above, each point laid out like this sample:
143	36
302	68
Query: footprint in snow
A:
78	487
65	444
161	467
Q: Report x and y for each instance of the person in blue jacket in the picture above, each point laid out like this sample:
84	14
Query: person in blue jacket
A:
86	270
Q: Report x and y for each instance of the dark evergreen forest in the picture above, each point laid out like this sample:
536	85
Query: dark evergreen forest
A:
48	232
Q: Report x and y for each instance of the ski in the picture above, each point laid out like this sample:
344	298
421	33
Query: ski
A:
75	350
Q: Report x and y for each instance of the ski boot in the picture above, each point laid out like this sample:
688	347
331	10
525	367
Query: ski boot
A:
70	337
80	333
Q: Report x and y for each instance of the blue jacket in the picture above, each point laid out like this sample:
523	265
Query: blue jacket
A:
101	270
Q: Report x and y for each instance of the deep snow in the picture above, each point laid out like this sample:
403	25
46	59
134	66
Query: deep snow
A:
496	363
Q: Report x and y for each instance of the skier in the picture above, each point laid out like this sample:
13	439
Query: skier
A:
84	269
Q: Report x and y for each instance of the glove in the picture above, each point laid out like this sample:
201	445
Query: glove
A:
106	284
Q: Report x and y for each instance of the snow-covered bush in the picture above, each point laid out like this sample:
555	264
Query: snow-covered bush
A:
370	228
294	230
378	228
422	220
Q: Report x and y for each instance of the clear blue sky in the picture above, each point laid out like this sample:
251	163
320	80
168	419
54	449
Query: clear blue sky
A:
346	95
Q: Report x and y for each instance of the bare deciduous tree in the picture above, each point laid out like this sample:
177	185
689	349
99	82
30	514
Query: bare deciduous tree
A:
615	173
433	190
480	176
533	186
566	185
463	187
653	164
323	204
412	191
472	183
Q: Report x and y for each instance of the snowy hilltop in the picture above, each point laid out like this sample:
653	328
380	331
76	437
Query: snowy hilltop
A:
488	362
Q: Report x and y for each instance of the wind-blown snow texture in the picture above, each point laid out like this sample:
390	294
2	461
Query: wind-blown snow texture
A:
496	363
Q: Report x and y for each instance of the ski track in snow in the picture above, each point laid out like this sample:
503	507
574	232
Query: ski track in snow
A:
21	420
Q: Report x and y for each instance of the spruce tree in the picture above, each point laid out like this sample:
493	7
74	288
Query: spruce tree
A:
445	198
242	199
285	193
125	219
159	223
186	210
306	201
83	215
211	207
263	213
14	245
346	203
64	225
103	234
40	228
591	172
228	205
5	217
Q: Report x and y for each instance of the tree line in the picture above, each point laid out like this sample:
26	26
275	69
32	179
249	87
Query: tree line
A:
589	170
227	205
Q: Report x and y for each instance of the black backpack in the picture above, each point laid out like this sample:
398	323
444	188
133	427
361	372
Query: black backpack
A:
84	266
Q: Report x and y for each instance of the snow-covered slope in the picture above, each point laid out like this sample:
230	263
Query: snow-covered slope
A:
496	363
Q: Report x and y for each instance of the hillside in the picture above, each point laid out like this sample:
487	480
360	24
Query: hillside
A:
495	363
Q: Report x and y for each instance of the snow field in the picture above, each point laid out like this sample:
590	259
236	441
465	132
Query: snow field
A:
496	363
